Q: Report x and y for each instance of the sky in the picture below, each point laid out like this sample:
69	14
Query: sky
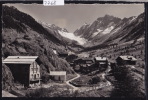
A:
73	16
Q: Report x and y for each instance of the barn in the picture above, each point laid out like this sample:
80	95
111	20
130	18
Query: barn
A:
25	70
126	60
59	76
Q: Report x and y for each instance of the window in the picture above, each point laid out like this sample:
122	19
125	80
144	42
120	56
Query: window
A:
38	75
35	69
32	69
35	76
32	76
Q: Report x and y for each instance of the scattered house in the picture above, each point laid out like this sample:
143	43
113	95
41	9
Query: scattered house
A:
126	60
58	75
60	54
25	69
83	61
63	54
71	57
76	68
101	61
83	64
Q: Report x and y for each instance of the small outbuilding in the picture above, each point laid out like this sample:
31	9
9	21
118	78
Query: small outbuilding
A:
126	60
25	69
59	76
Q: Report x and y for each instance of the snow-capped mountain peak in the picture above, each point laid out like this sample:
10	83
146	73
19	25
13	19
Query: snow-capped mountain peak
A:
110	28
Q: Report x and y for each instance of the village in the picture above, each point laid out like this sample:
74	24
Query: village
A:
91	73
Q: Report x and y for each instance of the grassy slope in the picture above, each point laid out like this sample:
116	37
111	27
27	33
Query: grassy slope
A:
24	36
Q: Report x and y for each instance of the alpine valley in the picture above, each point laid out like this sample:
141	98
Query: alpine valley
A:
107	36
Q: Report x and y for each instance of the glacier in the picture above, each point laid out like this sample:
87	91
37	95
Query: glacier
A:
71	36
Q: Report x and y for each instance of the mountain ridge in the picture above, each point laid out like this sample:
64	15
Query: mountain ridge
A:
110	29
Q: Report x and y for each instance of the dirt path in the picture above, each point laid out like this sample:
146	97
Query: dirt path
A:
101	86
103	75
74	87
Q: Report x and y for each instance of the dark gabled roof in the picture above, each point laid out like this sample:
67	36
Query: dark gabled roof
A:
63	53
86	59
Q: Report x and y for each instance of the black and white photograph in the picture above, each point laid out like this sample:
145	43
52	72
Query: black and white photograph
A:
74	50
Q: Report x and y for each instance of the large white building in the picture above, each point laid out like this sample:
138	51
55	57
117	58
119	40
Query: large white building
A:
25	69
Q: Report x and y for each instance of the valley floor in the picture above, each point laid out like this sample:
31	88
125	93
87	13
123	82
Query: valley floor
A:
77	85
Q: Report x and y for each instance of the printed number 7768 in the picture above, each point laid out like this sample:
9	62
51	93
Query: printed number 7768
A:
49	2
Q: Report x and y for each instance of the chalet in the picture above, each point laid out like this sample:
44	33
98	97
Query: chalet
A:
101	61
60	54
83	61
83	64
25	69
59	76
71	57
126	60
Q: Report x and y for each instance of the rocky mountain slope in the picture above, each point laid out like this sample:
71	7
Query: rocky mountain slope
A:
109	30
22	35
99	28
128	29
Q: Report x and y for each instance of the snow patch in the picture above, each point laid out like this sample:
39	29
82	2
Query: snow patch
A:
108	30
132	19
140	39
45	24
116	29
98	31
73	37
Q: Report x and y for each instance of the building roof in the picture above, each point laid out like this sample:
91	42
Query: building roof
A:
128	58
19	59
57	72
83	59
100	58
87	58
63	53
